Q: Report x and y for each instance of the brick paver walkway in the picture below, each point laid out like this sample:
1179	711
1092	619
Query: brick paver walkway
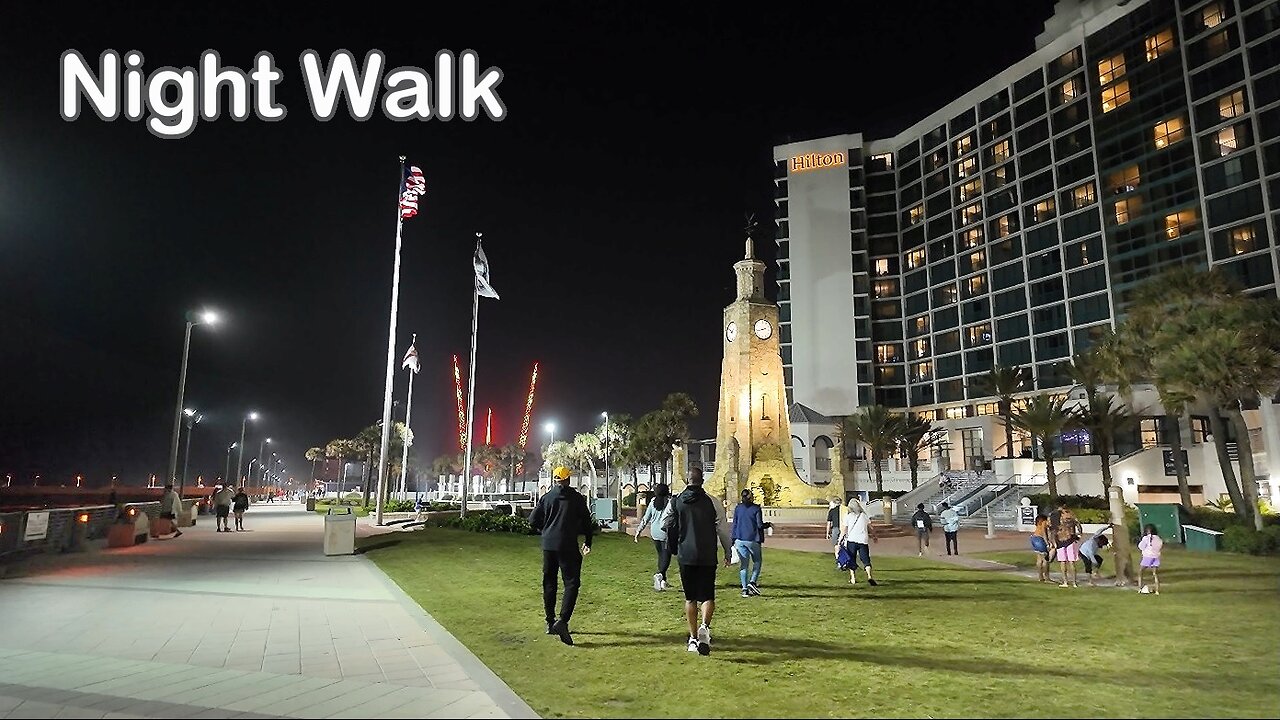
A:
255	624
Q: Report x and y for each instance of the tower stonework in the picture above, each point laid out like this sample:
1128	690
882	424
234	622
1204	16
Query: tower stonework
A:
753	435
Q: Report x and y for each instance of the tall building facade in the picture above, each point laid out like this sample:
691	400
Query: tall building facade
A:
1011	226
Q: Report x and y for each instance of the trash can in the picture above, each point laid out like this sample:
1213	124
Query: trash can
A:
1165	517
606	511
1202	539
339	532
311	504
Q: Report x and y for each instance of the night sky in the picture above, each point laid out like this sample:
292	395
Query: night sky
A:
611	199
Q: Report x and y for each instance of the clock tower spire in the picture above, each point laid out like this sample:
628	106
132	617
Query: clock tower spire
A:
753	436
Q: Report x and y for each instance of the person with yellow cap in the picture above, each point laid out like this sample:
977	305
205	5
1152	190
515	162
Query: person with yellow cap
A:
561	516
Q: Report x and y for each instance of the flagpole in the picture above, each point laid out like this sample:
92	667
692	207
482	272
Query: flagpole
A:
408	410
471	391
391	352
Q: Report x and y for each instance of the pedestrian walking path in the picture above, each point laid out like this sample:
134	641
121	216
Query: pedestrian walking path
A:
255	624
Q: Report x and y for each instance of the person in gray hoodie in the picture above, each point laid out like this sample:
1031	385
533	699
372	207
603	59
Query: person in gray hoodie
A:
652	519
694	523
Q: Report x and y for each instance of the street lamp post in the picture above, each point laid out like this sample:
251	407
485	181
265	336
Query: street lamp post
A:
193	417
608	485
205	318
240	455
230	447
262	446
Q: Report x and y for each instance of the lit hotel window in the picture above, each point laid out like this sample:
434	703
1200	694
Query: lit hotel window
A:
1000	153
884	288
920	348
937	160
976	283
1178	223
979	334
1243	240
1227	142
977	261
1115	96
970	213
965	168
971	189
922	324
915	258
1069	90
1231	105
1159	44
888	353
1169	132
923	371
955	413
915	214
1126	209
886	158
882	266
1212	16
946	294
1043	210
972	237
1125	180
1110	68
1004	226
1082	195
964	145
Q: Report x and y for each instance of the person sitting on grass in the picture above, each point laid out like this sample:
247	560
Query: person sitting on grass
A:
1150	545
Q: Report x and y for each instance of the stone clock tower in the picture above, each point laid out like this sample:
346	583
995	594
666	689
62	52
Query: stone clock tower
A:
753	436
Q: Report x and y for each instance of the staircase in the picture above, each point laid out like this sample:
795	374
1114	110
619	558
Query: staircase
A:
1004	507
959	485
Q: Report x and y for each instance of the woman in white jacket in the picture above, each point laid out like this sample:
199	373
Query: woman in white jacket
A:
652	519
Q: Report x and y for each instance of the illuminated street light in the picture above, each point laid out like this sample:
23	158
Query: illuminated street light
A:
205	318
240	455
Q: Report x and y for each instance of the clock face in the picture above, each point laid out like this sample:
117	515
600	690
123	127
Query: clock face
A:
731	332
763	329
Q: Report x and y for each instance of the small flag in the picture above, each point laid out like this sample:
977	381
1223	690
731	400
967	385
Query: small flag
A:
411	359
482	273
415	186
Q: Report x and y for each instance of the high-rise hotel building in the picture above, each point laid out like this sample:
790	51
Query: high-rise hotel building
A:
1012	225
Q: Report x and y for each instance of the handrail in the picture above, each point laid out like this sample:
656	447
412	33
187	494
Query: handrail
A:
926	489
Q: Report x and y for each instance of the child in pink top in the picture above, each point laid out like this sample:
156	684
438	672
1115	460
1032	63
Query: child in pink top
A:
1150	545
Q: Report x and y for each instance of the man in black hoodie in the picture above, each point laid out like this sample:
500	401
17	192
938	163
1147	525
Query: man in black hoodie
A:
694	521
923	525
561	516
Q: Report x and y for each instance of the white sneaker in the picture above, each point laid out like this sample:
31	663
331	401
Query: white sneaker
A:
657	581
704	640
693	645
664	584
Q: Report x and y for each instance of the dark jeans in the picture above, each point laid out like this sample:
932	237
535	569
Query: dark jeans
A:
952	543
664	557
1091	563
569	564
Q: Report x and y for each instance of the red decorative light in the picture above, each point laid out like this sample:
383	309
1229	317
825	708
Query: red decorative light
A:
83	517
528	413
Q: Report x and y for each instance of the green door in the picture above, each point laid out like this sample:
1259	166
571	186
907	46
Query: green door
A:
1165	517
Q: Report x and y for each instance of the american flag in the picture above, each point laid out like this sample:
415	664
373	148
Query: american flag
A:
415	186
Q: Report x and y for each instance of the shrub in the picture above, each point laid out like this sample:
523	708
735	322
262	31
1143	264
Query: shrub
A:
488	521
1242	539
1075	502
1090	515
397	506
1272	533
629	500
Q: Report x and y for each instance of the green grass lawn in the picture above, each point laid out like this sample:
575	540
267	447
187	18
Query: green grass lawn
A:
932	640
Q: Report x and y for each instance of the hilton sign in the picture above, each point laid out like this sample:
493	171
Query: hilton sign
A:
817	161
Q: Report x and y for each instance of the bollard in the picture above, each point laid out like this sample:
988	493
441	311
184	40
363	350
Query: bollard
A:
991	526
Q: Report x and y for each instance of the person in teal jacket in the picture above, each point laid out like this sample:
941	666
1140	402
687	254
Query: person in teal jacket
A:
652	519
951	527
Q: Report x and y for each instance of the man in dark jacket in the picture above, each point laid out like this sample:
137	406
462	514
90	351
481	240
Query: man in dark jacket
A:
923	525
561	516
694	522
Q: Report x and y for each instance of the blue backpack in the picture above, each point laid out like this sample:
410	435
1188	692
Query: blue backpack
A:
844	559
1038	544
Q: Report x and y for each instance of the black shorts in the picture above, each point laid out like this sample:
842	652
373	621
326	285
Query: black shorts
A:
858	552
699	582
223	510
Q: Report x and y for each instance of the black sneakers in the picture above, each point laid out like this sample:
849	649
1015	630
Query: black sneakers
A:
753	588
550	627
561	629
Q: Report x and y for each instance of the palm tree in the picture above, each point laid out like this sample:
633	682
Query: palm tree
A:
1044	418
918	435
446	465
314	454
341	449
557	454
878	429
1086	370
1104	421
1002	382
617	435
587	451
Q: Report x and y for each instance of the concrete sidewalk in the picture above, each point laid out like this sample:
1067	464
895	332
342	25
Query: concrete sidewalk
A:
252	624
